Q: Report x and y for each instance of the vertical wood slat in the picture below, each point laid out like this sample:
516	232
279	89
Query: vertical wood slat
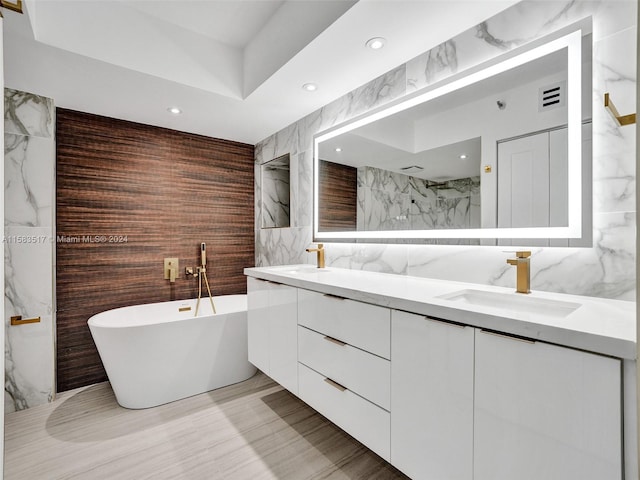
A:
165	191
337	196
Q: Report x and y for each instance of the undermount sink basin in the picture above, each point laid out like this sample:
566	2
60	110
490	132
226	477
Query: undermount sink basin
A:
515	302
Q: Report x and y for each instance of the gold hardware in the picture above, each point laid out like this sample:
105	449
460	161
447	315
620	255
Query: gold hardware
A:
15	6
334	340
508	336
334	296
447	322
17	320
342	388
523	277
184	309
621	119
188	271
320	251
202	272
487	169
171	269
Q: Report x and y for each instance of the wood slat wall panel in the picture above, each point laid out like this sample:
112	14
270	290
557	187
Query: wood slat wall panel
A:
166	191
338	197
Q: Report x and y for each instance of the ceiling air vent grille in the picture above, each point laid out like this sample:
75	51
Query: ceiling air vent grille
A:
411	169
552	96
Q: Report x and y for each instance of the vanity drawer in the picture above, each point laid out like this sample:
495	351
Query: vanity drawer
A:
361	372
359	324
368	423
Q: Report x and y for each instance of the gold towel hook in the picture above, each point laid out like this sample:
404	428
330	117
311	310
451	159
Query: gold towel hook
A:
621	119
15	6
18	320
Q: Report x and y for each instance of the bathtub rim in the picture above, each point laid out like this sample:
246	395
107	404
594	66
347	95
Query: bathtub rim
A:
103	320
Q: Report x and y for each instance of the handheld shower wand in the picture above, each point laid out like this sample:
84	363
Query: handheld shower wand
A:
202	271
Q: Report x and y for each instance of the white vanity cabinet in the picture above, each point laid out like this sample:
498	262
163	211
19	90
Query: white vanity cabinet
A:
449	398
365	374
258	323
272	330
344	367
360	324
545	412
432	397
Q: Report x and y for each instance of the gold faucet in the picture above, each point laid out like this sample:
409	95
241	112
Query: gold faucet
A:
320	251
523	277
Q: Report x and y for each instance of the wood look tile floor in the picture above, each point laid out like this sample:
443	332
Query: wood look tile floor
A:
251	430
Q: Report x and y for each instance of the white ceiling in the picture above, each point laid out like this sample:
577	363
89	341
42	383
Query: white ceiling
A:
401	140
233	23
234	67
437	164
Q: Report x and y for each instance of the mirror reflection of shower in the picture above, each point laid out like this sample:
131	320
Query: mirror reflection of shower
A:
202	273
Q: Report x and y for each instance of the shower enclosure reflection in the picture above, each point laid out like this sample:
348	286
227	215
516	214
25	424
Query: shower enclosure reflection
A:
409	199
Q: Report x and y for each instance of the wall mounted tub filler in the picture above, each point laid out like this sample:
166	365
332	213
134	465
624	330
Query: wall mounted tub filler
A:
201	272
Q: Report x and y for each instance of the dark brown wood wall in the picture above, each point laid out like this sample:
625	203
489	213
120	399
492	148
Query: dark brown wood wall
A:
338	192
129	195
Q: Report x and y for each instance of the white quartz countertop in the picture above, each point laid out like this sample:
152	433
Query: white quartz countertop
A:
597	325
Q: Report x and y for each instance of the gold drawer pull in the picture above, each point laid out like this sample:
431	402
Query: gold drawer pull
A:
17	320
342	388
184	309
448	322
508	336
334	340
329	295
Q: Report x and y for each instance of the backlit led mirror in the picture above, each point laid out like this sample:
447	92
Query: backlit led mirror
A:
501	152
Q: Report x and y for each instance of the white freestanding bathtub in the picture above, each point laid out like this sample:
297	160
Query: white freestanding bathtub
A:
160	352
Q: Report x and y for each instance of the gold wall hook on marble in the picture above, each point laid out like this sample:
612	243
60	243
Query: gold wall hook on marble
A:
15	6
17	320
621	119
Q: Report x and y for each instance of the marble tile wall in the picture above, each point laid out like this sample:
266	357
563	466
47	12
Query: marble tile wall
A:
394	201
605	270
276	193
29	161
384	200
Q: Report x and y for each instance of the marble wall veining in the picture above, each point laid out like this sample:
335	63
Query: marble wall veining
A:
29	160
606	269
276	193
394	201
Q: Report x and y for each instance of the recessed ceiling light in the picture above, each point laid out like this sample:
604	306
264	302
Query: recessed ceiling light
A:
310	87
463	156
174	110
376	43
338	149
